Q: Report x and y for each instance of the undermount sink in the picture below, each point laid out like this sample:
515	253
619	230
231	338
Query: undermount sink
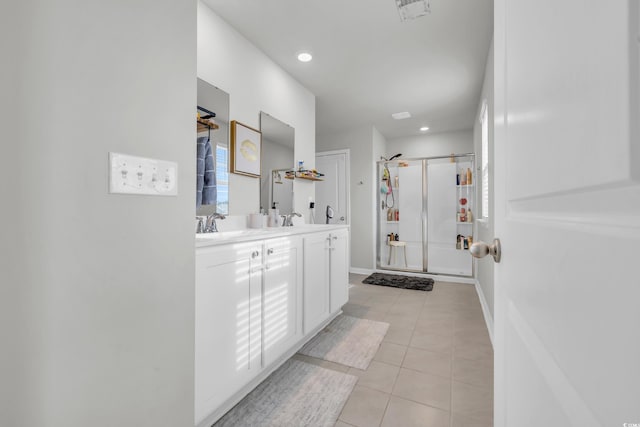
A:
230	234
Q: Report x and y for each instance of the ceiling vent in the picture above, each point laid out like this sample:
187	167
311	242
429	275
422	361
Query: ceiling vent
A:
412	9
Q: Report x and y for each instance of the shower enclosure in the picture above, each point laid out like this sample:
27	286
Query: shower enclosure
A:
426	211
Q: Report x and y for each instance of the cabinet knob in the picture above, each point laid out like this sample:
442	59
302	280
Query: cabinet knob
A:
270	251
255	254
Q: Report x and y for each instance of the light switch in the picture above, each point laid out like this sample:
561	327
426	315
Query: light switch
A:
140	175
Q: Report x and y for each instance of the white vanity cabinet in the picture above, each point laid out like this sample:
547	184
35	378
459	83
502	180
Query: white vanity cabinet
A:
339	269
316	280
228	311
281	296
259	298
326	276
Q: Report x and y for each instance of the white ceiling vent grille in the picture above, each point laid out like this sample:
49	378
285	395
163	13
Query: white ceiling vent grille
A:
412	9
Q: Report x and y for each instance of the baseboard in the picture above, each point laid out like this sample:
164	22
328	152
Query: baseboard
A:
356	270
488	318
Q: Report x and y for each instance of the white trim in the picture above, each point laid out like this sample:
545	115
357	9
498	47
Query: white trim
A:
355	270
488	318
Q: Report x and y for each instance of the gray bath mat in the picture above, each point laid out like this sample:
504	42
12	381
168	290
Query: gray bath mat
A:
347	340
397	281
296	394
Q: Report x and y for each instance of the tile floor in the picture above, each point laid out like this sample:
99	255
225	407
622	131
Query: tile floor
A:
435	365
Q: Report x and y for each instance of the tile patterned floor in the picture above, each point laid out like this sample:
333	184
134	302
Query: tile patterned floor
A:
435	365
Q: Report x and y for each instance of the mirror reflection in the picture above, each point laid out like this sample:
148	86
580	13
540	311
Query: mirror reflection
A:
277	158
212	185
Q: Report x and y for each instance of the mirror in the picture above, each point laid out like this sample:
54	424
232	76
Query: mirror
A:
277	158
212	187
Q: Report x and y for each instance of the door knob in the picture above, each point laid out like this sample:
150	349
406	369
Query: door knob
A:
481	249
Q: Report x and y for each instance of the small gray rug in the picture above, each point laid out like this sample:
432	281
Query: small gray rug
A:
397	281
296	394
347	340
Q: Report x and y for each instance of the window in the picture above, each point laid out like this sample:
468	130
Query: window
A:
222	179
484	120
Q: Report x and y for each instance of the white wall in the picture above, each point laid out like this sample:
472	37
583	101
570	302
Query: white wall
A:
96	295
255	83
361	143
432	145
484	266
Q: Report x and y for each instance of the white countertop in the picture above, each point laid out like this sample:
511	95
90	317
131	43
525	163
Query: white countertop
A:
249	234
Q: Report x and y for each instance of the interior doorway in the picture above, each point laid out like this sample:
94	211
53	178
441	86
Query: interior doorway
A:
333	191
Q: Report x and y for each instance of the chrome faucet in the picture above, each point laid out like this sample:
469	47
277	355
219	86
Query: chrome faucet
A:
210	226
287	219
200	225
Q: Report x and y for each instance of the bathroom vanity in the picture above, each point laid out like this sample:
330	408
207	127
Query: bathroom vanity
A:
261	294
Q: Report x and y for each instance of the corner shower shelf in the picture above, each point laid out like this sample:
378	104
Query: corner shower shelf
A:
466	186
464	223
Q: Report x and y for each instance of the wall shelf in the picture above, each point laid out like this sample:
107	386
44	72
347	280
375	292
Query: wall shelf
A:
303	175
203	125
310	178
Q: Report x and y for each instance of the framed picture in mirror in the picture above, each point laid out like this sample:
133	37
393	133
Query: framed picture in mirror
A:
246	149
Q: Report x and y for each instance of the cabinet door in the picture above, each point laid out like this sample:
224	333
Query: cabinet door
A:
282	296
228	322
339	276
316	280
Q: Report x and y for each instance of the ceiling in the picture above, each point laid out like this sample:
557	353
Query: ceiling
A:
367	64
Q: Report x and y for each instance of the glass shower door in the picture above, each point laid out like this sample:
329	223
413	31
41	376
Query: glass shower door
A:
400	215
450	213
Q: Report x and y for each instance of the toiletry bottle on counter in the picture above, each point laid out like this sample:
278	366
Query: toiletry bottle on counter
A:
396	238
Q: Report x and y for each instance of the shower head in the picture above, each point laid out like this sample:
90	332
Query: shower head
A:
396	156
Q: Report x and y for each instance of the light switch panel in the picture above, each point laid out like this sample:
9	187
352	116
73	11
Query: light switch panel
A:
140	175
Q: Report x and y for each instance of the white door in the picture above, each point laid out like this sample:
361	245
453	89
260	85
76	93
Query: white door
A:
227	323
339	265
282	296
567	203
316	280
334	189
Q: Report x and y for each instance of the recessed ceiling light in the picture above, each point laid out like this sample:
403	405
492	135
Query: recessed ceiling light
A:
402	115
304	57
424	128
